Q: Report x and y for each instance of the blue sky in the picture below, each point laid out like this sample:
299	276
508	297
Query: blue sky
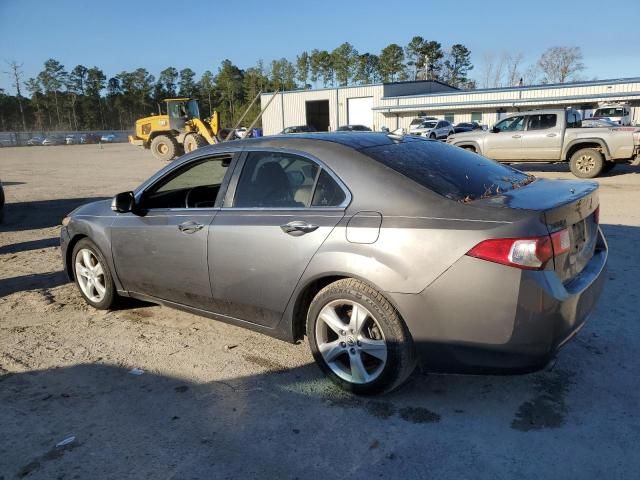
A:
121	35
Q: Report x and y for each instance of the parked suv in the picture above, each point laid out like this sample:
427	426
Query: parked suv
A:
434	129
554	136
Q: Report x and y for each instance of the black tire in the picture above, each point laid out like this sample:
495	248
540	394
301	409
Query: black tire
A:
432	136
165	147
110	295
400	360
608	166
587	163
193	142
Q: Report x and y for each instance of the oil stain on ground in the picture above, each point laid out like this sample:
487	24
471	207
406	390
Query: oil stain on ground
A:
548	409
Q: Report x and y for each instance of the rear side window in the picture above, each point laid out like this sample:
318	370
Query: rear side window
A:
573	120
449	171
328	193
542	121
275	180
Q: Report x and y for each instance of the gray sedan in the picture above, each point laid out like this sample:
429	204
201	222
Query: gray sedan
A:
383	250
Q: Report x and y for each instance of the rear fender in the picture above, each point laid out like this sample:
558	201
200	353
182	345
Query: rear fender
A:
574	145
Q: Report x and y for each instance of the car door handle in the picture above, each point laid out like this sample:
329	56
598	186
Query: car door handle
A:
190	227
552	134
516	136
298	227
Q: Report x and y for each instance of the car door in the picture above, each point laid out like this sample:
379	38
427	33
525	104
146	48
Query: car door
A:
161	249
279	209
542	139
504	140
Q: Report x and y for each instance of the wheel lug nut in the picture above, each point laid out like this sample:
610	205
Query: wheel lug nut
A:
352	351
342	332
343	345
359	343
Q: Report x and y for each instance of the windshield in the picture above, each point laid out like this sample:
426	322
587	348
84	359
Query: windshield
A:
452	172
429	124
192	109
609	112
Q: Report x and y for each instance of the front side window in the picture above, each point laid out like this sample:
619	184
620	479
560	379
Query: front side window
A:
542	121
511	124
195	185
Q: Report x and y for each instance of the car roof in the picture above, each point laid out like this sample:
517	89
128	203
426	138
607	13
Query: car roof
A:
353	140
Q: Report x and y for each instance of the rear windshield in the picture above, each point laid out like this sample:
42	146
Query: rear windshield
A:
449	171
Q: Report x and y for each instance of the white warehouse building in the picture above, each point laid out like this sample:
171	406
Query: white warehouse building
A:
394	105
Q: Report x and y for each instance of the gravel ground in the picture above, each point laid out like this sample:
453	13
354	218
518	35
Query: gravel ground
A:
216	401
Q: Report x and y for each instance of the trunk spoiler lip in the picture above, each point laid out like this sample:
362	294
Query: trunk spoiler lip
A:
541	195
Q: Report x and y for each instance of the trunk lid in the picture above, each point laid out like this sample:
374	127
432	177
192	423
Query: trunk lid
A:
563	204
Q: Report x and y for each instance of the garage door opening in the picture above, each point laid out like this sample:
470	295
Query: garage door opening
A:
318	115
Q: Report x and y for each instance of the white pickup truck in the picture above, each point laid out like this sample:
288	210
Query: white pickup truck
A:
554	136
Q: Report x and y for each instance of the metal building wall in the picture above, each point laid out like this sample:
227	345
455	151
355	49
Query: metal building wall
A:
397	112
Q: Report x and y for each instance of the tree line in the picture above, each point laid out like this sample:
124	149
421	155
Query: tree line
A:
85	98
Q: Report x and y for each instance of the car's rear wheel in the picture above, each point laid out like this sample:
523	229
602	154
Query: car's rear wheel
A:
586	163
358	338
92	275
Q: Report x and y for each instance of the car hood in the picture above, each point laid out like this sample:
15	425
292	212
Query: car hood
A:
100	208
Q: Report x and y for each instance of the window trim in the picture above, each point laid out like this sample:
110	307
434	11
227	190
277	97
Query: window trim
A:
162	174
230	193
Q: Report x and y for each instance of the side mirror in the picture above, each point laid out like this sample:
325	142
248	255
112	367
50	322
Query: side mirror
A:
495	130
123	202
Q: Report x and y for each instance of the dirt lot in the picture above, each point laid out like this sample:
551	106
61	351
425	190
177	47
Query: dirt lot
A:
216	401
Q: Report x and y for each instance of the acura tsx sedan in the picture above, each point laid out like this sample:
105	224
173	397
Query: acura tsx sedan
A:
385	251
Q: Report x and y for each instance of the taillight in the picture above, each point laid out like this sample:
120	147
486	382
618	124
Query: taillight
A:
531	253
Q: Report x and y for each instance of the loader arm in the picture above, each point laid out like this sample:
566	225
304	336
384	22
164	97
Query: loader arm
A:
208	133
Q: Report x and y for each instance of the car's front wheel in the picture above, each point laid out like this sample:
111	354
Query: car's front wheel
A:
358	338
92	275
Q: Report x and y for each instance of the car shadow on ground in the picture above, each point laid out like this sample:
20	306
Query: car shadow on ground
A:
35	281
40	214
30	245
620	169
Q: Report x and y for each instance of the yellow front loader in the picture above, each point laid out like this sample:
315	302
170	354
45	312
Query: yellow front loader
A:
180	130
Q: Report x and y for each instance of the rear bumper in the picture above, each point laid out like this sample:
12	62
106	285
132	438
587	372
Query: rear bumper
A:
482	317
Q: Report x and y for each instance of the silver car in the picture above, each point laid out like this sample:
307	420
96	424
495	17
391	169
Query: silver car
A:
434	129
382	250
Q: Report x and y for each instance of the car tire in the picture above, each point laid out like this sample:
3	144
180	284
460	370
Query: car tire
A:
586	163
432	136
164	147
343	352
193	142
92	275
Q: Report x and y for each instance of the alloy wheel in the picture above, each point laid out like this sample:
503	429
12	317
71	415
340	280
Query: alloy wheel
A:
351	341
90	275
585	163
